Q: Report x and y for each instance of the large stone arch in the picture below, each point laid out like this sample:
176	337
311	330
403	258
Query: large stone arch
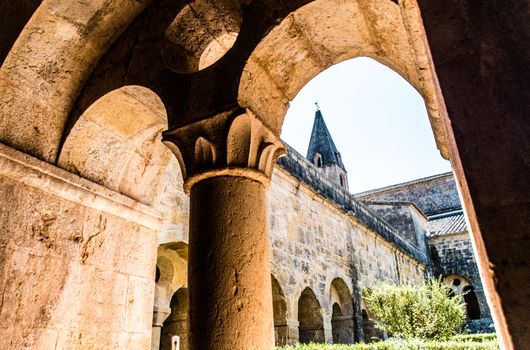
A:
342	312
311	324
326	32
48	65
116	143
482	72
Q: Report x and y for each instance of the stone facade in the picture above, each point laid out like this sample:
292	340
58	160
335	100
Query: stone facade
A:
76	256
446	233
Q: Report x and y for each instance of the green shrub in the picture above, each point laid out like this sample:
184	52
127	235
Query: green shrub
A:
423	312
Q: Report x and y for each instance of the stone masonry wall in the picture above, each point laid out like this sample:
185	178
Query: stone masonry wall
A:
432	195
453	255
399	216
314	241
77	261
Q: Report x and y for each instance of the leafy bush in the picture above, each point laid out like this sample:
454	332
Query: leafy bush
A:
423	312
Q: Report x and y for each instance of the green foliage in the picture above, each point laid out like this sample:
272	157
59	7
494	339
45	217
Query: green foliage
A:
481	337
422	312
476	342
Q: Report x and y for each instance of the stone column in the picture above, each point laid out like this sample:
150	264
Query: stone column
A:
327	329
159	316
227	161
292	331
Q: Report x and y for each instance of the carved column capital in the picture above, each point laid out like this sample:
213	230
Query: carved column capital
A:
234	143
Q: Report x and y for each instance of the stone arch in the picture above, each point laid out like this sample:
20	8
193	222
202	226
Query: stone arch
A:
460	285
311	324
177	322
342	317
13	18
307	42
369	326
369	330
172	265
279	308
116	143
49	63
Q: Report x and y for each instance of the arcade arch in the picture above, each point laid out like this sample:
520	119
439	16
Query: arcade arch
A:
177	323
462	286
311	325
279	309
342	319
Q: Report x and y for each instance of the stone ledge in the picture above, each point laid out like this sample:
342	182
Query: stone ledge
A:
55	181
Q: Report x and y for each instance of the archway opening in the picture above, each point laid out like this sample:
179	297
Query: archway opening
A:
375	118
177	323
342	318
311	325
279	307
472	306
371	333
461	286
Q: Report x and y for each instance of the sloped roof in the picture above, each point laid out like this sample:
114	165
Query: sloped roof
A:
321	142
446	225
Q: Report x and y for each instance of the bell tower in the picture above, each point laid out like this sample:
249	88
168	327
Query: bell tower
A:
323	153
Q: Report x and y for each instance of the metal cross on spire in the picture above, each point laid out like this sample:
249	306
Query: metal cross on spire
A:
318	107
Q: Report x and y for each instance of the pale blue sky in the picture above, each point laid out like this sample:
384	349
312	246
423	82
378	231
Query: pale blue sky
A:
378	122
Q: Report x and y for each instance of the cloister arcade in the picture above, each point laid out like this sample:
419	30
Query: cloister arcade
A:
108	106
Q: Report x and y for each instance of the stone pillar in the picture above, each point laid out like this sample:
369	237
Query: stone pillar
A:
326	325
159	316
292	332
227	161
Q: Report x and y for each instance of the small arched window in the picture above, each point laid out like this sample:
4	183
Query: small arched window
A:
342	180
318	160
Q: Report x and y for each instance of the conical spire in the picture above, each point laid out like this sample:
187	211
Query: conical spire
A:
322	144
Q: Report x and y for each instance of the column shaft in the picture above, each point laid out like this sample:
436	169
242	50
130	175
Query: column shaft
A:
229	265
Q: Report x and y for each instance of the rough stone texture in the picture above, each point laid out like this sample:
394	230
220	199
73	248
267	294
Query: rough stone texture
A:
229	266
77	263
314	241
308	173
405	218
432	195
453	255
13	18
39	81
